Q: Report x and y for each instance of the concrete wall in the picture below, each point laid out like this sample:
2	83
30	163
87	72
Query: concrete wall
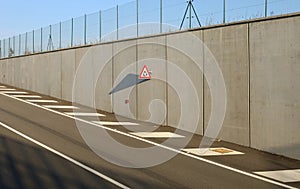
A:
259	60
229	45
275	87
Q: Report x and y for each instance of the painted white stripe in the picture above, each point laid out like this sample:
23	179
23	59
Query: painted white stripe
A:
13	92
65	157
157	135
84	114
162	146
282	175
26	96
60	107
109	123
211	152
2	87
42	101
5	89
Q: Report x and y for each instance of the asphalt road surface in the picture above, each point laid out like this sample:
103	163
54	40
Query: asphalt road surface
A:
41	147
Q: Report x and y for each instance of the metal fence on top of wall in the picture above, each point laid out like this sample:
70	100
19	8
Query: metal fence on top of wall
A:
98	27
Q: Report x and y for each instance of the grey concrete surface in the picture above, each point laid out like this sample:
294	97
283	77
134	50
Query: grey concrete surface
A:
151	95
124	63
275	89
102	76
68	72
267	119
229	46
187	54
55	75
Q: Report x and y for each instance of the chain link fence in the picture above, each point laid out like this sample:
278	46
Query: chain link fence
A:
98	27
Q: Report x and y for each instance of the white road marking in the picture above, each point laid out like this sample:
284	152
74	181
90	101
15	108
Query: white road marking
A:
109	123
212	151
65	157
60	107
13	92
5	89
163	146
157	135
42	101
2	87
84	114
26	96
282	175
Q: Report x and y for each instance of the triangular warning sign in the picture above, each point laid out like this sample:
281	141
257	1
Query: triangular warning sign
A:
145	74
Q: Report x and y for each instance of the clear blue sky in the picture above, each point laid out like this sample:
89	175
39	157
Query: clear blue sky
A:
20	16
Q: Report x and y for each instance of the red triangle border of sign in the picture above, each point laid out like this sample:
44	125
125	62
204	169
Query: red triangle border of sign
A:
147	70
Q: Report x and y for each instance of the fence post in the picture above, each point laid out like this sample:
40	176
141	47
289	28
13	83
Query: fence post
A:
25	43
0	49
161	17
137	18
9	52
85	29
59	35
4	48
224	11
100	25
41	39
72	25
117	15
14	45
266	8
32	41
19	44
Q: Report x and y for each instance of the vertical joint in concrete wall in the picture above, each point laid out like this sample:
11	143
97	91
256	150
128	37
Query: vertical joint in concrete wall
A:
249	82
167	91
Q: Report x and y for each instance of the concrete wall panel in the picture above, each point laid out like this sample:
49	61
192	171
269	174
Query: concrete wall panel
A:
10	72
152	105
40	74
186	52
124	63
4	71
229	46
17	71
84	77
67	73
102	76
54	71
275	89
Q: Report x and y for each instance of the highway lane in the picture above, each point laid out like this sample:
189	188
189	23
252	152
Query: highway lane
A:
26	165
60	133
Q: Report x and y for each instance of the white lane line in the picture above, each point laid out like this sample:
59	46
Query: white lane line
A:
2	87
282	175
110	123
42	101
60	107
84	114
212	151
65	157
13	92
162	146
5	89
26	96
157	135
